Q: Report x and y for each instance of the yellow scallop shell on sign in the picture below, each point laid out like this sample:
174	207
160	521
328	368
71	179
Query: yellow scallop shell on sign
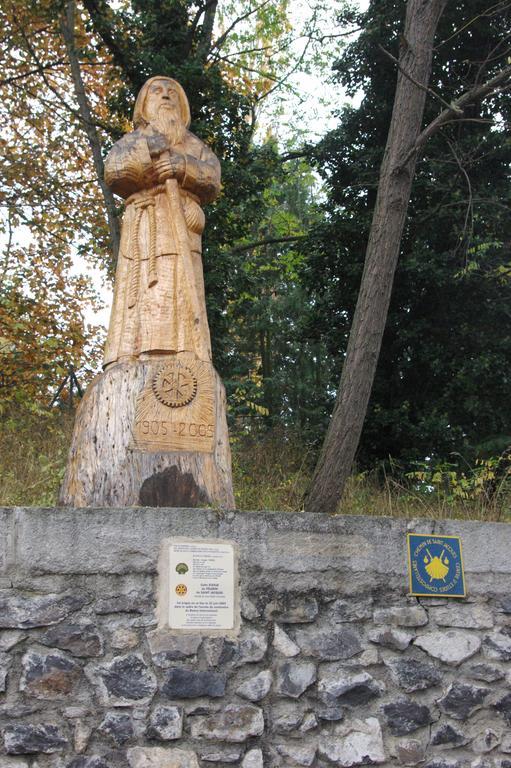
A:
437	568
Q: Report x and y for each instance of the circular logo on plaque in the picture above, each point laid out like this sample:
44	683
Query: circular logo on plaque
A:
181	590
175	385
181	568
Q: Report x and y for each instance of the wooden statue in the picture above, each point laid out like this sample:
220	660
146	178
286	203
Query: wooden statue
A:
152	428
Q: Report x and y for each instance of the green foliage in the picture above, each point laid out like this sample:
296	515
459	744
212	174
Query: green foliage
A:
485	480
443	373
275	371
34	443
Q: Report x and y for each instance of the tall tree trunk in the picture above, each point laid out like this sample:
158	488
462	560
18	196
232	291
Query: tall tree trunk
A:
394	188
207	29
68	33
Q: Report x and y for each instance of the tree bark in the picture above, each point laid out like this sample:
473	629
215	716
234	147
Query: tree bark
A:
67	27
207	29
394	188
108	467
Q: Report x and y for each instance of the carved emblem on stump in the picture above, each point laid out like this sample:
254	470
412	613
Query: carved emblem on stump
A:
175	385
176	409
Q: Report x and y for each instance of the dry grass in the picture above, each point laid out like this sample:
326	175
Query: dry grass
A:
271	471
366	496
33	453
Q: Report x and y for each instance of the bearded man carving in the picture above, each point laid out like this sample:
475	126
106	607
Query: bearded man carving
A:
159	303
151	429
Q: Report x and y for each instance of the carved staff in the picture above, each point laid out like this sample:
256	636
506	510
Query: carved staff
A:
180	232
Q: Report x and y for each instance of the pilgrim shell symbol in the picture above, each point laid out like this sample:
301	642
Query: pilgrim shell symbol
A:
437	567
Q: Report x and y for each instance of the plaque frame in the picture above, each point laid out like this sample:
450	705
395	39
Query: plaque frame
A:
163	591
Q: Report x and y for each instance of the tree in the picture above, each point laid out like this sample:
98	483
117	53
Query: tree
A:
68	86
384	240
277	373
48	201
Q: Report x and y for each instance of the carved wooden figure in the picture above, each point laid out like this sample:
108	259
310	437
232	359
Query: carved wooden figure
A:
152	427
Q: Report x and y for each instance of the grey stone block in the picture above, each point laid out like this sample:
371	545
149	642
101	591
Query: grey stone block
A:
165	723
485	672
446	735
414	675
123	682
462	700
233	724
294	677
452	646
357	743
348	690
49	676
497	646
82	640
218	754
329	644
257	687
37	611
118	727
503	707
28	739
88	762
404	716
189	684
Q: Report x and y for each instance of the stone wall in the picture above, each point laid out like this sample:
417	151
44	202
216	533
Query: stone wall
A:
334	665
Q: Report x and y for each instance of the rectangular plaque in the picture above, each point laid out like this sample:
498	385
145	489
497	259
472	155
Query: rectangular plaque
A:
199	586
435	565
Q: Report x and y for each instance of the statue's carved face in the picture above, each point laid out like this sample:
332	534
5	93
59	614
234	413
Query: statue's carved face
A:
162	97
163	111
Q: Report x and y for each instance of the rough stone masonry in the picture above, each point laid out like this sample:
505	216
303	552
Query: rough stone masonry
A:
334	666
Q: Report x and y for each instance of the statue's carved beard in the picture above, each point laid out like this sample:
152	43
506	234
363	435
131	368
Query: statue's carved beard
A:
168	122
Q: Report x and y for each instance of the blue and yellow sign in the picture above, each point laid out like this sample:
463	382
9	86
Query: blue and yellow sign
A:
435	565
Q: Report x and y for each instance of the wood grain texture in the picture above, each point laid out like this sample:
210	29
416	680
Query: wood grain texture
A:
106	470
152	429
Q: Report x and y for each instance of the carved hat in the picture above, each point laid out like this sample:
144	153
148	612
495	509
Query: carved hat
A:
184	107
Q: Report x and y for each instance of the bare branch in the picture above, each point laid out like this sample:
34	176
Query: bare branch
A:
469	213
37	70
491	11
423	87
288	74
68	33
229	56
296	155
267	241
220	41
500	82
7	252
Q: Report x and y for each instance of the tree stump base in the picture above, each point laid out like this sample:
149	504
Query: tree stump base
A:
151	432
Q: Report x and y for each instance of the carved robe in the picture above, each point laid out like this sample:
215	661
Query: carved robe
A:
152	310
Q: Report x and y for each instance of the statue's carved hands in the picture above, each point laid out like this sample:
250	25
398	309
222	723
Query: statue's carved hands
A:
156	143
170	166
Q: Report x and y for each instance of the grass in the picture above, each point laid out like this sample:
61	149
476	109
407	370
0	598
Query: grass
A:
271	471
33	454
